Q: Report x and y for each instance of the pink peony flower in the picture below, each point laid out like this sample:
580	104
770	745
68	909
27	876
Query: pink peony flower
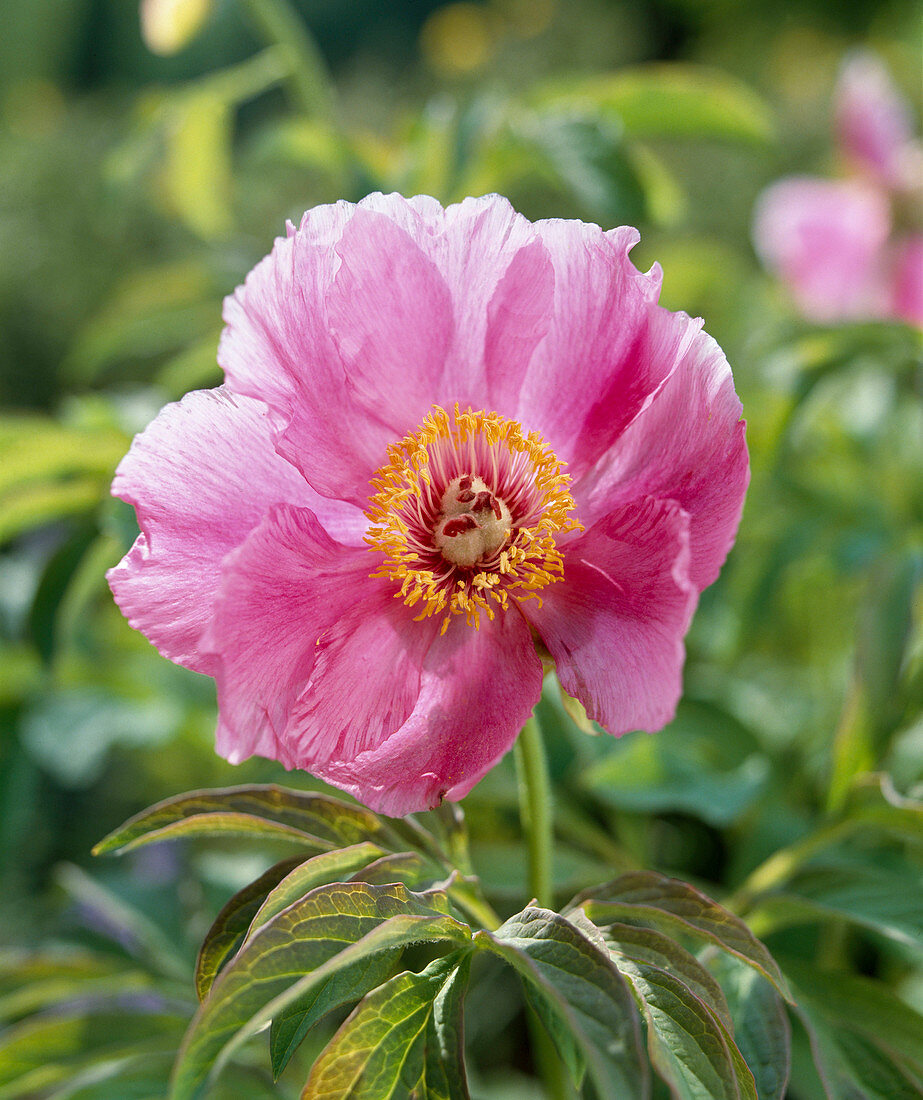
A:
837	244
446	438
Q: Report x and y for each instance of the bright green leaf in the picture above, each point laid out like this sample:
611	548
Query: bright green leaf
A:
229	928
335	866
322	934
671	100
380	1052
346	986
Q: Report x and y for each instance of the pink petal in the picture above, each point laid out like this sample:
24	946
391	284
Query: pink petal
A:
873	121
688	445
282	590
366	679
200	477
908	280
599	365
390	313
824	239
500	280
503	272
365	317
615	623
476	690
277	346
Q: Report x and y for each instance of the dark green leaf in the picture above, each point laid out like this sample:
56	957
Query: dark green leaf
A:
663	902
704	763
689	1046
445	1040
884	901
759	1023
853	1004
640	944
575	977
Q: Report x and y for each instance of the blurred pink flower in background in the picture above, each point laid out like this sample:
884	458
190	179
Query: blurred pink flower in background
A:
842	246
368	537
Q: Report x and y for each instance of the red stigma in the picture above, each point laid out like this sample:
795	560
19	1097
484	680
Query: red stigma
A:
459	526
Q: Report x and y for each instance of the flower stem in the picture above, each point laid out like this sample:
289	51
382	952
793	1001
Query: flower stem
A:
309	80
535	809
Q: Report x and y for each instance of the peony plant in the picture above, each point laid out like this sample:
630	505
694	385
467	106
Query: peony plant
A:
454	450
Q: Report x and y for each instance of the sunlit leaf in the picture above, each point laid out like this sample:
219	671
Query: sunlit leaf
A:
197	168
382	1051
335	866
346	986
314	820
230	926
299	950
672	101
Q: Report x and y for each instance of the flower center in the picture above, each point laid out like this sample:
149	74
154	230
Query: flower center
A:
467	512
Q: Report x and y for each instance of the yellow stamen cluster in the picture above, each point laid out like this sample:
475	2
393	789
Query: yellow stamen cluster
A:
406	496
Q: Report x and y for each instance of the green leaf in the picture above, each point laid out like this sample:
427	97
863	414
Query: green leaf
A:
47	1050
861	1005
671	100
586	155
759	1024
36	449
141	935
197	168
328	930
314	820
889	902
336	866
229	928
853	1066
445	1040
689	1046
407	867
382	1051
576	979
704	763
663	902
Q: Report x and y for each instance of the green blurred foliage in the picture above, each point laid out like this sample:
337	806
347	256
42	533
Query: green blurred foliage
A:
137	189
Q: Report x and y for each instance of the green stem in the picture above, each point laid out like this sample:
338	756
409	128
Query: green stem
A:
535	810
308	77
